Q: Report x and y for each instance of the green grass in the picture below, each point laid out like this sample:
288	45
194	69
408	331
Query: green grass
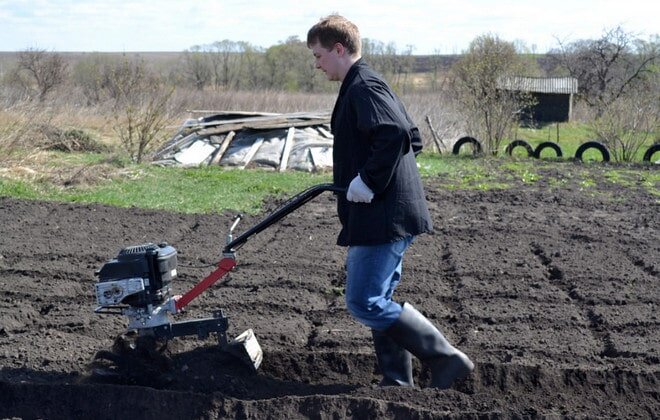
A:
487	173
621	178
217	189
461	172
193	190
483	173
568	132
19	189
650	180
569	137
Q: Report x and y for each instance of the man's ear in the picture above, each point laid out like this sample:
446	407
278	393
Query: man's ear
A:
339	47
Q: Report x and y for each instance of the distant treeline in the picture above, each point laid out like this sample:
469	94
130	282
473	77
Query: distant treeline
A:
605	68
223	65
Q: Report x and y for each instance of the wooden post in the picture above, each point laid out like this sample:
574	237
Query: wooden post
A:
253	151
288	144
436	140
223	148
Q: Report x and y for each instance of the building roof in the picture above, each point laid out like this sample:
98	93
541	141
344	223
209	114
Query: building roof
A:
565	85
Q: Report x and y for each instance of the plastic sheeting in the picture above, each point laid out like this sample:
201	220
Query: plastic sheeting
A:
310	150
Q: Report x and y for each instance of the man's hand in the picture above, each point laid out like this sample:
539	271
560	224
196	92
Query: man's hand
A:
358	192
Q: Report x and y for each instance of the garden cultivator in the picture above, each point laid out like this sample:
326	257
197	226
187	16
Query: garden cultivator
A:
137	284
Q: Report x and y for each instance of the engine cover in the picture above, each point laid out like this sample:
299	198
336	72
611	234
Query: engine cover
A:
139	276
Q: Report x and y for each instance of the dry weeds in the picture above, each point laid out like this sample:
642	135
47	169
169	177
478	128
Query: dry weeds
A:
28	130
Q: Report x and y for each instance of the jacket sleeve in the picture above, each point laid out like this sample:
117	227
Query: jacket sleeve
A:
384	127
416	141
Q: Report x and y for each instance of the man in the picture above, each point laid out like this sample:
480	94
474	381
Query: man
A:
375	143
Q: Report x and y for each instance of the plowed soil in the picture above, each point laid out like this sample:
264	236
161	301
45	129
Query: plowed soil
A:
552	288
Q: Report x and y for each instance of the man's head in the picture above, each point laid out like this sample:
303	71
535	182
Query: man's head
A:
335	43
333	29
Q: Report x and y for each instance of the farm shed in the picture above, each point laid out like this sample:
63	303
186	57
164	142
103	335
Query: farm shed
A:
299	141
553	96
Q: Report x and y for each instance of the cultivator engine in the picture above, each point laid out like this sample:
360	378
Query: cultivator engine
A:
138	284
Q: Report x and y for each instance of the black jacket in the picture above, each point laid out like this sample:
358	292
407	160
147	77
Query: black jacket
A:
374	135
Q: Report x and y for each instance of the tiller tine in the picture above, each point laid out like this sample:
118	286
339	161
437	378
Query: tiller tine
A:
246	348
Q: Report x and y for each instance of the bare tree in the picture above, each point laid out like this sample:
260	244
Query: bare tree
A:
489	112
89	75
196	66
41	71
630	120
224	57
118	76
607	67
140	108
381	56
290	67
249	63
403	68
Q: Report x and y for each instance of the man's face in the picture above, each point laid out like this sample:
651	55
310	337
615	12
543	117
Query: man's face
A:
327	60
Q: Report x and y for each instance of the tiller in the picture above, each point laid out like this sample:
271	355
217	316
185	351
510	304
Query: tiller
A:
137	284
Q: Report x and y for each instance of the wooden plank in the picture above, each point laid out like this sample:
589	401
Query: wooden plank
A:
327	134
239	122
253	151
223	148
274	118
288	145
237	126
263	125
178	144
214	112
284	124
221	129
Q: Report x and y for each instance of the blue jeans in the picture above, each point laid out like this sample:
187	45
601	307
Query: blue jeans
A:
372	274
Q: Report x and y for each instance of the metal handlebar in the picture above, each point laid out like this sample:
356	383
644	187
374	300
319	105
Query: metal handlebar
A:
291	205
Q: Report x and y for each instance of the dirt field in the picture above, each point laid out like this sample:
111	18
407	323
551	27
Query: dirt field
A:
553	291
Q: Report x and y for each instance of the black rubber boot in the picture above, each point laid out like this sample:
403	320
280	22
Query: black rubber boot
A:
414	332
395	362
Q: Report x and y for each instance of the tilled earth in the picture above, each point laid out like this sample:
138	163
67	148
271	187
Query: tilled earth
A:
552	288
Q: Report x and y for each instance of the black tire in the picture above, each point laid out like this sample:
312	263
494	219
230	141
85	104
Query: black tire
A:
652	150
593	145
519	143
547	144
466	140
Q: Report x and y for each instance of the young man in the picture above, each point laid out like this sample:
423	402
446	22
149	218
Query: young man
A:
375	143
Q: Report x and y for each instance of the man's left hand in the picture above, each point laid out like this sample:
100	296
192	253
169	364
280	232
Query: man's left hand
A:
358	192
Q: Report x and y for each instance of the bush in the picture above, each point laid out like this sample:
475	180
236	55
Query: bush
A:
490	112
140	106
628	122
40	72
74	140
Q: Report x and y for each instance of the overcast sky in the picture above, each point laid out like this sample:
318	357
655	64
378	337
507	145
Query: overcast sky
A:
430	26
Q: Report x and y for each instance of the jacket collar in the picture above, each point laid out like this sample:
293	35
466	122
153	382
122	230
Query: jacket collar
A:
348	80
350	75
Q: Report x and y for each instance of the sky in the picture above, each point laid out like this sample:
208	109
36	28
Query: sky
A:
430	27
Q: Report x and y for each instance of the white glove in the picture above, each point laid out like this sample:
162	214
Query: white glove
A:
358	192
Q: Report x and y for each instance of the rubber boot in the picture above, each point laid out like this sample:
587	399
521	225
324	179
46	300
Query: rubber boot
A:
414	332
395	362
